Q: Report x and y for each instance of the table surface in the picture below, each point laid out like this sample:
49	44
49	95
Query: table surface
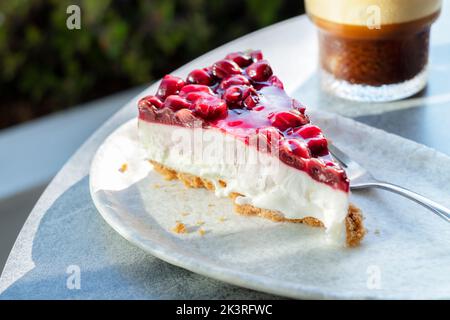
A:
65	234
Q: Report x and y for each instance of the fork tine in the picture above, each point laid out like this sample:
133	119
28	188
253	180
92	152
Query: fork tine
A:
354	170
339	155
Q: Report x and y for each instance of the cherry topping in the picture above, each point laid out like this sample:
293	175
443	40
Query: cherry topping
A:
242	59
169	85
211	107
318	146
199	76
176	102
309	131
256	55
297	148
236	79
224	68
273	80
288	119
150	101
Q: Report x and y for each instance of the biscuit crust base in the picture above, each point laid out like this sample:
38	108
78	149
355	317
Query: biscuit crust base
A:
353	222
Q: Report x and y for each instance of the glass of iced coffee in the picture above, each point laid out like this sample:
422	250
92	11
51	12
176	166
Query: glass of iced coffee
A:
373	50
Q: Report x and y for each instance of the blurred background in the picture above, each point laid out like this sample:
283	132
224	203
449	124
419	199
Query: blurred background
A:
46	67
58	86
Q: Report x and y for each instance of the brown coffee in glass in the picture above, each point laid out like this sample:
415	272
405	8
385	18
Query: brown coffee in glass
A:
373	50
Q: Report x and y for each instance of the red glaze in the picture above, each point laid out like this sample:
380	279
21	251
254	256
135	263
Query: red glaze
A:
240	96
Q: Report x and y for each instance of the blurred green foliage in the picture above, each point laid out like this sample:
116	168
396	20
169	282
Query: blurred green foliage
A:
45	66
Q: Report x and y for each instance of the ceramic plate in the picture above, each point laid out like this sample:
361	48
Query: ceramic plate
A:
404	255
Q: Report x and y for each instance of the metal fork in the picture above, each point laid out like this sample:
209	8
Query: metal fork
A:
360	178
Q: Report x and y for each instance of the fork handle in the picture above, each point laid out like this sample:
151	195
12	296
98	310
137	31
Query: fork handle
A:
438	209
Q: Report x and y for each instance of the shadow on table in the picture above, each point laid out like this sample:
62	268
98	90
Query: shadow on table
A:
110	267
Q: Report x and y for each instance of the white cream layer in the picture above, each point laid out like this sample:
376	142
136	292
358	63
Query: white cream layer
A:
359	12
265	181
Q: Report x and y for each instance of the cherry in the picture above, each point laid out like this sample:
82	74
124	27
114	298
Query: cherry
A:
210	107
242	60
175	102
318	146
309	131
276	82
169	85
224	68
297	148
185	116
150	101
194	88
256	55
236	79
259	71
251	101
199	76
314	167
329	175
233	94
288	119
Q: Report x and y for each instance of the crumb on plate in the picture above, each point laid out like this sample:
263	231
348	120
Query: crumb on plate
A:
179	228
123	167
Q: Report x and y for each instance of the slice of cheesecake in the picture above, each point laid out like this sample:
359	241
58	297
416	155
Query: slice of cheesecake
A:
231	128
